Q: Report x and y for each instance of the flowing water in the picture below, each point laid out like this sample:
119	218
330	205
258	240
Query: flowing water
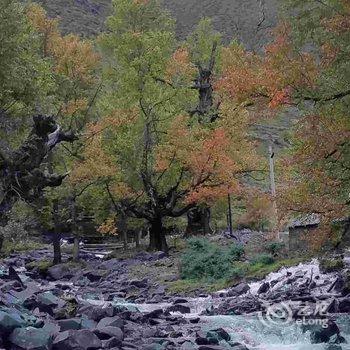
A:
253	333
250	329
258	335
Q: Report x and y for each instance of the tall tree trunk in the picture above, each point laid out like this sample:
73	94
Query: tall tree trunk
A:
76	249
122	226
198	222
57	256
157	236
137	238
3	223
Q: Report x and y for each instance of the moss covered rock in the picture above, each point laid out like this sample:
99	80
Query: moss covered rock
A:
41	266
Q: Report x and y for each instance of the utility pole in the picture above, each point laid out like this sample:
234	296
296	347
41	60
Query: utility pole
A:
230	214
273	183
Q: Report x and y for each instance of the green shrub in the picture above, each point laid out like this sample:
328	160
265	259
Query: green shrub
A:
331	265
15	247
274	248
237	272
236	252
41	266
263	259
205	260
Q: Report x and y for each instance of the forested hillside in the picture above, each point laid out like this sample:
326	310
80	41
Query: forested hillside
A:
249	21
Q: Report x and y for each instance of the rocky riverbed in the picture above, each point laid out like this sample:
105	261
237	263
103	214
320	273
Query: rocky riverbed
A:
98	305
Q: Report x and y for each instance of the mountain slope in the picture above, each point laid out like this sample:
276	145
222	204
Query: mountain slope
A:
249	21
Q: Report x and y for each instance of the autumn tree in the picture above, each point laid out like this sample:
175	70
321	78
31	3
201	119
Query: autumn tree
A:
204	47
48	73
26	85
320	157
154	159
306	66
24	77
74	63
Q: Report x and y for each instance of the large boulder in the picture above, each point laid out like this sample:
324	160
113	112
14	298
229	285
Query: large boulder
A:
28	293
96	313
139	283
11	318
344	306
220	334
59	272
112	343
109	332
264	288
237	346
95	275
206	339
179	308
69	324
240	289
77	340
31	339
319	334
10	321
47	302
115	321
76	323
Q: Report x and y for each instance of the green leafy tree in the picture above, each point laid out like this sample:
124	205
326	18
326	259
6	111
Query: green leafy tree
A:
155	160
25	78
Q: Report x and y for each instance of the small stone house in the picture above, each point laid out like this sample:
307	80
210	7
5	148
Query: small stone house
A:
301	228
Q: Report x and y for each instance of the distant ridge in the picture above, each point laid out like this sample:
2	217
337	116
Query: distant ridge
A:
248	21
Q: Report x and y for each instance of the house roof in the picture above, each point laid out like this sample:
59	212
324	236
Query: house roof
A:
305	221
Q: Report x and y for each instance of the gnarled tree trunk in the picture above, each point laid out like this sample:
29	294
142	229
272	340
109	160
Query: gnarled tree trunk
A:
21	176
75	230
157	236
198	222
56	242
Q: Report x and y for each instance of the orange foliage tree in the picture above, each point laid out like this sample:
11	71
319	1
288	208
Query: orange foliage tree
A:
73	65
155	160
311	72
74	62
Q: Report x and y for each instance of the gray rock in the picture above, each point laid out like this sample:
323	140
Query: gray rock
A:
344	306
264	288
219	334
115	321
240	289
111	343
109	332
13	275
319	334
139	283
10	321
69	324
96	313
77	340
95	275
238	346
51	328
179	308
31	338
59	272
